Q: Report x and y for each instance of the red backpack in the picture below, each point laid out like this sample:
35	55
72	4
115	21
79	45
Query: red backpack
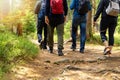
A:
56	6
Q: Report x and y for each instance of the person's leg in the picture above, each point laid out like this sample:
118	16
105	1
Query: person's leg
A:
103	29
82	36
74	30
111	31
45	36
50	31
60	32
39	30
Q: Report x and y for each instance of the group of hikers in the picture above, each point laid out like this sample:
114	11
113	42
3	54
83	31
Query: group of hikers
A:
52	14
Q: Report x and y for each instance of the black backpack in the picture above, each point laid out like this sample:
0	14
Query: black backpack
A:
83	6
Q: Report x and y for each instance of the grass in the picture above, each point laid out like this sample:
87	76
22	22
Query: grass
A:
14	48
97	40
117	39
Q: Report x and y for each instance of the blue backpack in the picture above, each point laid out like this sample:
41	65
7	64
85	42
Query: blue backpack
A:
41	13
83	7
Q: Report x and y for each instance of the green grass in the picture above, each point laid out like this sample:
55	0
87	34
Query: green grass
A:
117	39
97	40
14	48
67	32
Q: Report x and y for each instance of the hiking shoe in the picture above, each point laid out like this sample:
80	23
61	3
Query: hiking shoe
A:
73	48
60	53
41	45
44	47
51	50
82	51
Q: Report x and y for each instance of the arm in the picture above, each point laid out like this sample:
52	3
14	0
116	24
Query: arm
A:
89	6
65	7
47	8
99	10
72	5
47	11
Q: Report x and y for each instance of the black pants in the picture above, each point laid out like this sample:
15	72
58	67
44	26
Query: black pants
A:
40	26
110	25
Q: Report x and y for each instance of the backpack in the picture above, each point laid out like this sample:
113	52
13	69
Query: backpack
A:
83	6
113	8
37	7
56	6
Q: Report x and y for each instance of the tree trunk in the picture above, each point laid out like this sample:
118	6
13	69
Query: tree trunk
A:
89	32
89	25
19	29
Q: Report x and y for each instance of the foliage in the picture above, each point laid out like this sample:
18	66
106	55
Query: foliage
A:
70	12
96	39
13	48
117	39
67	30
3	28
22	14
27	48
29	22
118	27
27	19
1	72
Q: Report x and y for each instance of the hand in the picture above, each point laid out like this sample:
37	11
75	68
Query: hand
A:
64	18
46	20
94	23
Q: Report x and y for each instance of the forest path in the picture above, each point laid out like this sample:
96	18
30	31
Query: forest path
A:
91	65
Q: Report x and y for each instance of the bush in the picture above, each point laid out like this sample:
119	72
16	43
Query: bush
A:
67	33
28	49
13	48
29	23
96	39
117	39
118	27
26	19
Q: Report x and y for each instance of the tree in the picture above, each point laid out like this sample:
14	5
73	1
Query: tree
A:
89	24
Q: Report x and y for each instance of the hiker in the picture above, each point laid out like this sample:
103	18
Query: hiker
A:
79	19
107	22
40	11
55	16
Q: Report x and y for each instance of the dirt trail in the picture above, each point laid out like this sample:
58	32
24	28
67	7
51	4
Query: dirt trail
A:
91	65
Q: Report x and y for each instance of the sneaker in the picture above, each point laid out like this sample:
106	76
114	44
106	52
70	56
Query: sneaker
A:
73	48
107	51
60	53
41	44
